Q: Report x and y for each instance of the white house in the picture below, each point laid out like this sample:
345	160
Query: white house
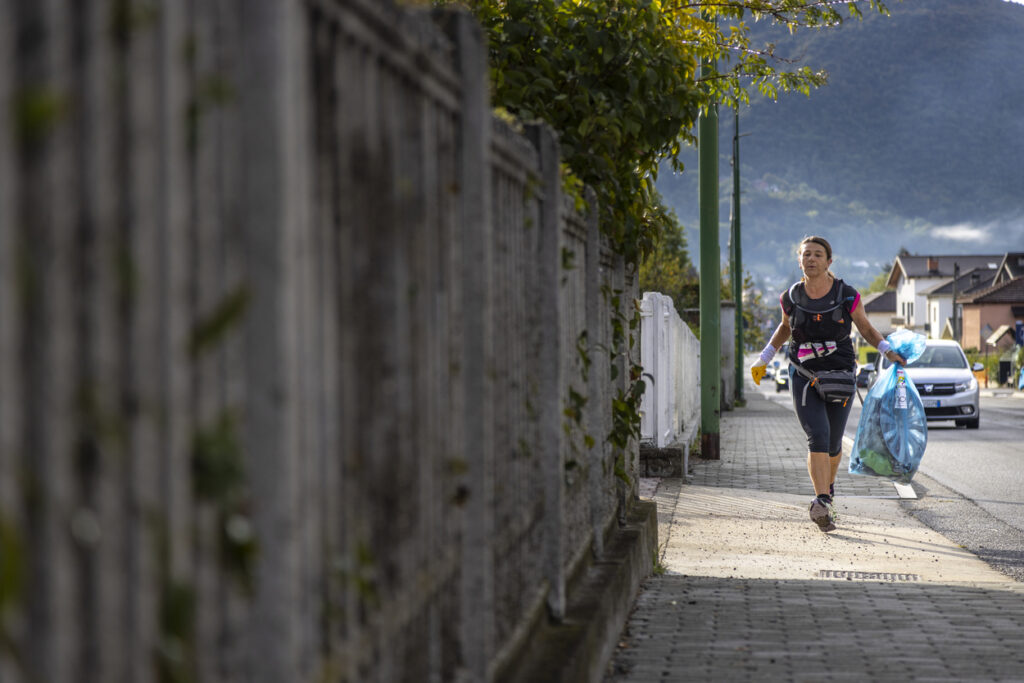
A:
911	276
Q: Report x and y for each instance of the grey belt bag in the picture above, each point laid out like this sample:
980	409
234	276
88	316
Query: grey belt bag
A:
833	386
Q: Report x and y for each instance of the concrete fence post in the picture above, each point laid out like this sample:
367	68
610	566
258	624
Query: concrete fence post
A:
628	286
596	377
474	226
275	216
663	364
550	380
648	339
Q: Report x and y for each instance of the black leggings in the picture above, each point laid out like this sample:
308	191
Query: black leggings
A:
824	423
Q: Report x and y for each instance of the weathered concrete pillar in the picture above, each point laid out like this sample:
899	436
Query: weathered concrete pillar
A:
597	402
477	637
274	213
550	381
41	240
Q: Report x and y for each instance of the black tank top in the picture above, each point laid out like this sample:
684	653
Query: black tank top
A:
821	327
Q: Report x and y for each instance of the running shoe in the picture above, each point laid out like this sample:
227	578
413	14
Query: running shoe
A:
823	514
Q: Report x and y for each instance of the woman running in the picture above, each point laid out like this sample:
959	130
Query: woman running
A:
817	312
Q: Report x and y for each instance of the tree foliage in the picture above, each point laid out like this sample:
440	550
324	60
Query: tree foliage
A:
759	315
668	268
616	80
619	80
881	281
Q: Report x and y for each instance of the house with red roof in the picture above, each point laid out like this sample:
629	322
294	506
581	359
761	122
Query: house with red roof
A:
940	299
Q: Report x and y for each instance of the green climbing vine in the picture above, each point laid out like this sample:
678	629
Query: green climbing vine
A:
626	403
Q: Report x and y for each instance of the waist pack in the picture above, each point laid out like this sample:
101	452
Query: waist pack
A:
833	386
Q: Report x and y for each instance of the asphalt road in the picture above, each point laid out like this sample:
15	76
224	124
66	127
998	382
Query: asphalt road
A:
970	485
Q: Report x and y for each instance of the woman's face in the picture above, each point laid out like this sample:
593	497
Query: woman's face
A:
814	259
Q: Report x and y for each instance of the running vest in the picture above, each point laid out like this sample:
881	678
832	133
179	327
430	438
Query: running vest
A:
821	327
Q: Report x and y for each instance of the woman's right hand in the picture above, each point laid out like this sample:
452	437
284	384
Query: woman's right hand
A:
758	370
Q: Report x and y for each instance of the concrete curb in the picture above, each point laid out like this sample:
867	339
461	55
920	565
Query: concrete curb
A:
1001	393
579	648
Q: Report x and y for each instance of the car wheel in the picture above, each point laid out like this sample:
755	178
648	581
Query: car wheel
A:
973	424
778	387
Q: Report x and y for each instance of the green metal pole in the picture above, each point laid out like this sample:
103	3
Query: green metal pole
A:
737	255
710	282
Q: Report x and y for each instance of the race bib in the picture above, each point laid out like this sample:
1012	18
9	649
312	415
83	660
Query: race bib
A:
815	350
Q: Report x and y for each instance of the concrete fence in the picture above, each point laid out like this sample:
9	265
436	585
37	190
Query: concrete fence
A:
302	353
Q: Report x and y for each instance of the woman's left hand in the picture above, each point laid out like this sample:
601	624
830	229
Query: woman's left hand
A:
895	357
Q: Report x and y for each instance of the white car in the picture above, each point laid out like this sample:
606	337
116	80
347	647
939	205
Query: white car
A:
782	379
946	383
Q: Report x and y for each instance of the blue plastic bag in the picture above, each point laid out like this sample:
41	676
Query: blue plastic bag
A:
893	430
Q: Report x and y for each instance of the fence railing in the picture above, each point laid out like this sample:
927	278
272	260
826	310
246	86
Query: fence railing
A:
291	335
670	355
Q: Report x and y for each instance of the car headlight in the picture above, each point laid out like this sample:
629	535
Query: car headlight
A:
969	385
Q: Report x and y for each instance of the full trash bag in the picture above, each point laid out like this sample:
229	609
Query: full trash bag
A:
893	430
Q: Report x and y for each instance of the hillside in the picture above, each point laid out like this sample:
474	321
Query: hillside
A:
917	142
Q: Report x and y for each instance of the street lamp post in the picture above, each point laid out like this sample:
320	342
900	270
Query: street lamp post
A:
736	254
710	294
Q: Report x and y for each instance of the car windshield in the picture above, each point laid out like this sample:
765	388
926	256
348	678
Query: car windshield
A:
938	357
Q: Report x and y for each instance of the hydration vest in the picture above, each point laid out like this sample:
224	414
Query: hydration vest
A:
834	322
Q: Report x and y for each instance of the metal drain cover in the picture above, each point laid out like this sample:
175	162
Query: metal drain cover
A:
865	576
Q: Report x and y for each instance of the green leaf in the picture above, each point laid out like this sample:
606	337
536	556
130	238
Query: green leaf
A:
225	316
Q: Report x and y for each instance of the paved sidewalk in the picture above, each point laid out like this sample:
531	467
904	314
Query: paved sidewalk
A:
1003	392
753	591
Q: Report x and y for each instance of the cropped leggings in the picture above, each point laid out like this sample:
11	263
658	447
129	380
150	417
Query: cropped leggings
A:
824	423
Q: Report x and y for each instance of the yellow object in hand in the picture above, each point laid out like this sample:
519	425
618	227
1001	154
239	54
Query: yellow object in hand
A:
757	372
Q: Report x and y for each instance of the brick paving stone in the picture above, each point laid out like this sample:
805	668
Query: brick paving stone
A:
719	627
763	447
